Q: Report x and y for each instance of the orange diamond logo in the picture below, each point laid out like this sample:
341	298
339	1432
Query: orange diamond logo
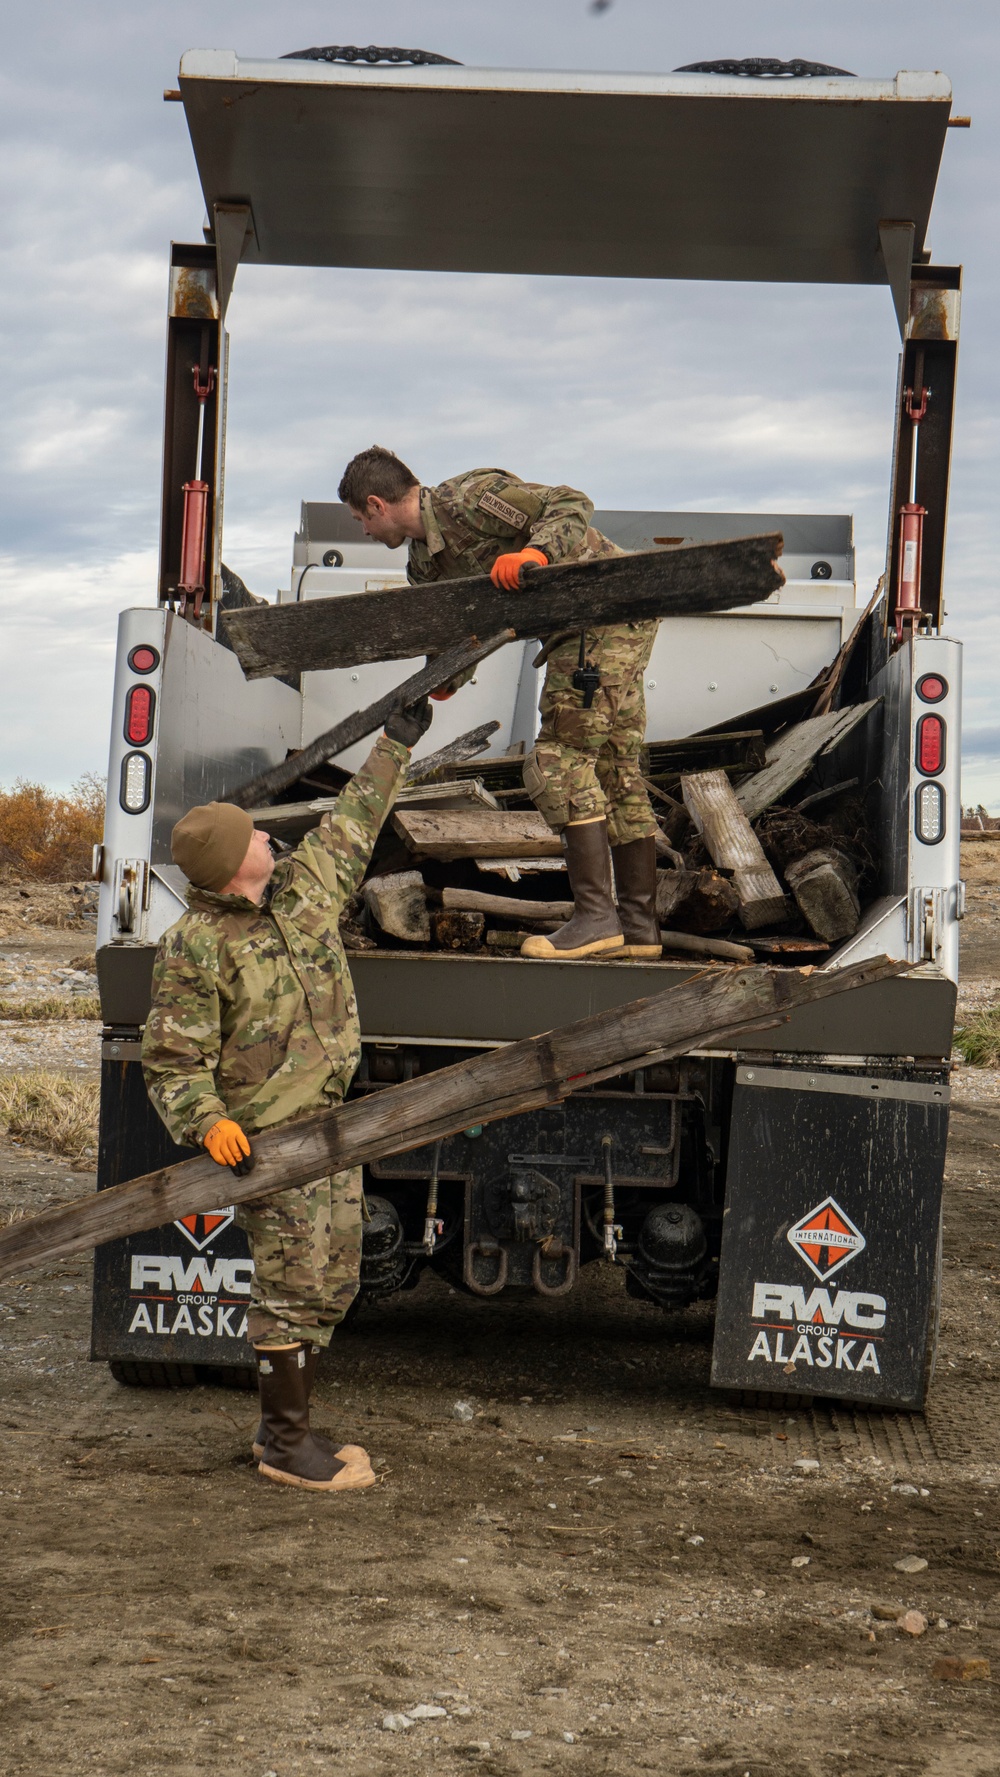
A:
826	1239
201	1229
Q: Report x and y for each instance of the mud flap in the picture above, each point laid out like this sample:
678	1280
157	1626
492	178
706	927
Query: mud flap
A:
172	1299
830	1233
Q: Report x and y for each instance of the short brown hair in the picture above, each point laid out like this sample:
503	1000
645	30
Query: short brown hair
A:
375	471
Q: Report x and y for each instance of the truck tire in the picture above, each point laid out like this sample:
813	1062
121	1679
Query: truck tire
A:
142	1375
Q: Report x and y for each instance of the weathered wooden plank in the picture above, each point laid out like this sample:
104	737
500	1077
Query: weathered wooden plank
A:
713	1009
290	821
401	622
733	845
437	672
792	753
453	833
466	746
504	906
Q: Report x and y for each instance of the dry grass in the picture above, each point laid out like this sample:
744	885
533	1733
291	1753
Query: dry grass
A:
82	1005
978	1041
51	1110
49	837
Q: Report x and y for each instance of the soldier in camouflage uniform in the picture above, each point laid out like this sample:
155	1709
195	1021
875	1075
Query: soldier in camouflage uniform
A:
254	1022
583	773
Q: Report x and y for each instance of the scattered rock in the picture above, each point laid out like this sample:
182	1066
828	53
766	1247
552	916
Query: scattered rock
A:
394	1722
462	1710
912	1622
801	1560
886	1613
429	1712
521	1734
553	1690
910	1564
904	1487
958	1671
570	1739
694	1542
464	1412
477	1748
807	1465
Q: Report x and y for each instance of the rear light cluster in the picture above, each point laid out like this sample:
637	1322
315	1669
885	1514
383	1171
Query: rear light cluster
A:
140	711
931	757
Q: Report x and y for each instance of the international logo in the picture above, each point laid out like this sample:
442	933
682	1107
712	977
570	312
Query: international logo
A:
203	1228
826	1239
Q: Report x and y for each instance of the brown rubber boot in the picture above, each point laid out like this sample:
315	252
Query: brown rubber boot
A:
291	1453
594	928
260	1435
635	880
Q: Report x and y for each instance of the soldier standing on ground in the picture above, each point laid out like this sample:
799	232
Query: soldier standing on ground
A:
583	772
254	1022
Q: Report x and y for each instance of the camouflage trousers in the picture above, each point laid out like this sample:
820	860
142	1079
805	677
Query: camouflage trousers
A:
306	1249
585	763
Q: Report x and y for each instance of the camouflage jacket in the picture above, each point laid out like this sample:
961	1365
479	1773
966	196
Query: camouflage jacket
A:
253	1013
475	517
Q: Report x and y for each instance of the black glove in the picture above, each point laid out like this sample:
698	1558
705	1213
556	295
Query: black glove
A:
409	724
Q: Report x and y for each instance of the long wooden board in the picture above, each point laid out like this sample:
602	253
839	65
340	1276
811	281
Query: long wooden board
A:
708	1010
400	623
790	756
258	791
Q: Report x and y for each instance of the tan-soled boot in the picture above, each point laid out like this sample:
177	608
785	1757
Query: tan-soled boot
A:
594	928
291	1453
635	880
260	1435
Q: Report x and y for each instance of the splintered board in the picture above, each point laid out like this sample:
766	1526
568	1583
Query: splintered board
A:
401	623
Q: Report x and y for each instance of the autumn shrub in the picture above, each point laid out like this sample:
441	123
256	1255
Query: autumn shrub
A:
978	1040
50	1109
49	838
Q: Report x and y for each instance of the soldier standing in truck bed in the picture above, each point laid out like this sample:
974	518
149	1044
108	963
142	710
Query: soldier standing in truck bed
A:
583	772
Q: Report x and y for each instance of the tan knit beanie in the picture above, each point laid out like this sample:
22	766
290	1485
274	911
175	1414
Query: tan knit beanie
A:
210	843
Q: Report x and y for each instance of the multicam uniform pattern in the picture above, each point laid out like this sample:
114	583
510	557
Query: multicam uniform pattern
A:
254	1017
585	763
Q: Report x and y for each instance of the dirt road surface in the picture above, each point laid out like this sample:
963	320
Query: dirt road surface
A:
608	1568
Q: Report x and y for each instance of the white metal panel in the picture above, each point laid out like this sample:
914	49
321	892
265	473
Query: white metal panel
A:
613	175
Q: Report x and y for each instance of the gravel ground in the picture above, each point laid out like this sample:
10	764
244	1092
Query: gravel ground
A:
607	1568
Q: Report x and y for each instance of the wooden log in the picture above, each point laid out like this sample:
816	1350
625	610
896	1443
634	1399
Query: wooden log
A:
702	1011
453	929
468	652
399	903
825	886
512	941
455	753
505	906
732	844
717	947
700	900
452	833
791	755
399	623
457	792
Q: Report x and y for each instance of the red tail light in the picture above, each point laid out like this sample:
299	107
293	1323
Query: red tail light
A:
139	706
930	745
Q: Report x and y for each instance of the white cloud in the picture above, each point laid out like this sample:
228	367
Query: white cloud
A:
707	396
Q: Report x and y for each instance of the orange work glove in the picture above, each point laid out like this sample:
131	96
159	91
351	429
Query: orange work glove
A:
227	1143
506	570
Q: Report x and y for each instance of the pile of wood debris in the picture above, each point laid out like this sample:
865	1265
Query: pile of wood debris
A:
763	847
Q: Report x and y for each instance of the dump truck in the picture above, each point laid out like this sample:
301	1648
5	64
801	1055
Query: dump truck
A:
796	1182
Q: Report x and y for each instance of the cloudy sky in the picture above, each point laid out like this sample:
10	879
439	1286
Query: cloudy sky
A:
715	397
